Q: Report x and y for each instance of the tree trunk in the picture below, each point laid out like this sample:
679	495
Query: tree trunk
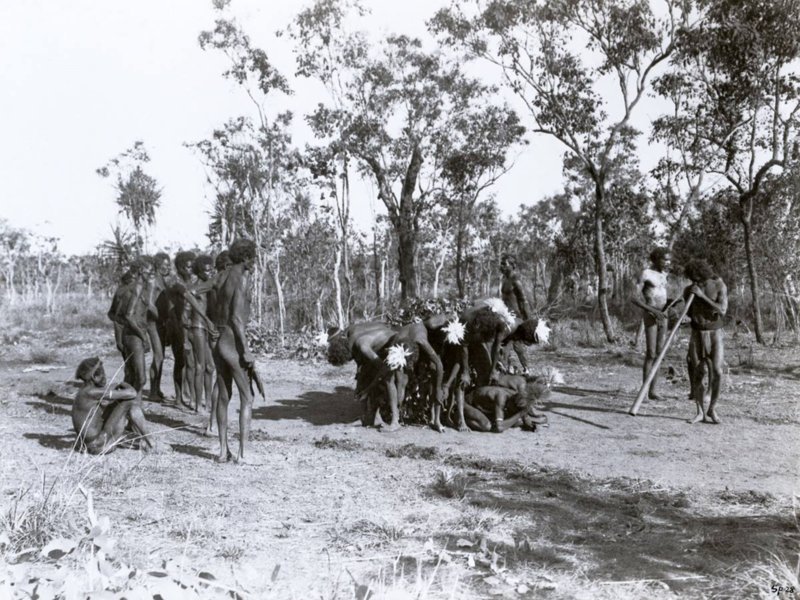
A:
378	270
460	261
406	249
436	273
337	261
600	260
276	280
753	275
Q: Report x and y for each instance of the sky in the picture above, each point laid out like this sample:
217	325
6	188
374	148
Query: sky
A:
83	80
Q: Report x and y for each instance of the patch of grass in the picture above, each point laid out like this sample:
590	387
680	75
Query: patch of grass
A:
379	534
413	451
42	356
327	443
776	578
750	497
448	484
36	516
231	552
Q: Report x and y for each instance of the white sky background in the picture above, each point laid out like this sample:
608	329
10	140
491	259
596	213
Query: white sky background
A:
82	80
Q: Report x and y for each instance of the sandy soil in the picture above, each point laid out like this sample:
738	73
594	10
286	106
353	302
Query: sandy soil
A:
596	497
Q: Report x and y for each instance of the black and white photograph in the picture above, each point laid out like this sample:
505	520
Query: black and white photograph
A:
420	300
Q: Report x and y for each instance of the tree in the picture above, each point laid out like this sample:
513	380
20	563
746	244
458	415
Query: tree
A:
533	45
252	163
14	245
735	73
138	193
398	110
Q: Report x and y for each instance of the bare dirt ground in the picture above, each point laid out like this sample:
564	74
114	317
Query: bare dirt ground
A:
597	504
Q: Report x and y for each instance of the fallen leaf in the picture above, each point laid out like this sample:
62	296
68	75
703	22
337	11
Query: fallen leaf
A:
462	543
58	548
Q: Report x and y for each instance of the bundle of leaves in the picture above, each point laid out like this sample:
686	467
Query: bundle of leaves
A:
422	308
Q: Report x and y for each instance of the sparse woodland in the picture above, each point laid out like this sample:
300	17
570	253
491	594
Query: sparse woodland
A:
401	113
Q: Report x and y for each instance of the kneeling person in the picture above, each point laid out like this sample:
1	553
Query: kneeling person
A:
506	407
100	417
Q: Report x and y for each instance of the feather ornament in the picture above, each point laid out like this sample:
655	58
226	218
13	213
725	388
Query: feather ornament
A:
455	331
501	310
396	357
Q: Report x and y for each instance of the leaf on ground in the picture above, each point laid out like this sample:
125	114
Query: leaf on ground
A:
206	575
105	543
492	580
471	561
275	572
462	543
58	547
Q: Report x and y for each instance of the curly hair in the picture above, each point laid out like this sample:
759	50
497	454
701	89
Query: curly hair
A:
698	269
526	332
533	392
159	257
86	369
242	250
200	263
184	258
222	261
338	352
126	278
510	260
658	253
485	324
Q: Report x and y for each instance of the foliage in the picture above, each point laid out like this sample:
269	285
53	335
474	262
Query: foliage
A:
412	120
138	193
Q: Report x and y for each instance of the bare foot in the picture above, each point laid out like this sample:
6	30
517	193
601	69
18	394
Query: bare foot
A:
437	427
223	457
712	416
697	418
463	427
540	419
655	396
392	427
209	432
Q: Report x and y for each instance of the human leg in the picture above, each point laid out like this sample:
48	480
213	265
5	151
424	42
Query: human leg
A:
696	368
224	380
199	342
716	372
157	362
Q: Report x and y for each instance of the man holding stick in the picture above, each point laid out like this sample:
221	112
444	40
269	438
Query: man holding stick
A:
706	346
652	299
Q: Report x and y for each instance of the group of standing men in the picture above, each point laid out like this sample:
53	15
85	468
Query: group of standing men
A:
202	316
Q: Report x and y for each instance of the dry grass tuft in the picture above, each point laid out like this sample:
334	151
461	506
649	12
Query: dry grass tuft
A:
413	451
327	443
449	484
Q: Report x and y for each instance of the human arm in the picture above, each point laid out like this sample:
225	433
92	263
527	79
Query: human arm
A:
130	314
520	296
198	308
123	391
720	301
237	321
434	359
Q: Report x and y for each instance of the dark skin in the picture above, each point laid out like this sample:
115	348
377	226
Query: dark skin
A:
212	302
706	347
232	355
156	330
135	341
199	334
116	313
511	293
365	341
180	315
409	335
494	401
652	300
100	416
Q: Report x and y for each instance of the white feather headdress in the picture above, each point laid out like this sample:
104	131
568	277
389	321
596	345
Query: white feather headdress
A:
321	339
501	310
542	331
396	357
455	331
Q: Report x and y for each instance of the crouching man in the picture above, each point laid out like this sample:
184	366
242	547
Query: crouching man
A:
101	417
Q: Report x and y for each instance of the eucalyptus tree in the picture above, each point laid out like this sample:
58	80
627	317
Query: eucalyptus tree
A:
536	45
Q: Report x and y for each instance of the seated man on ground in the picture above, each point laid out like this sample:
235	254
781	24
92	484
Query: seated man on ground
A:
100	417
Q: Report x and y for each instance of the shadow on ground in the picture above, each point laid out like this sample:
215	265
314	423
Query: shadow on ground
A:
623	530
317	408
63	441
